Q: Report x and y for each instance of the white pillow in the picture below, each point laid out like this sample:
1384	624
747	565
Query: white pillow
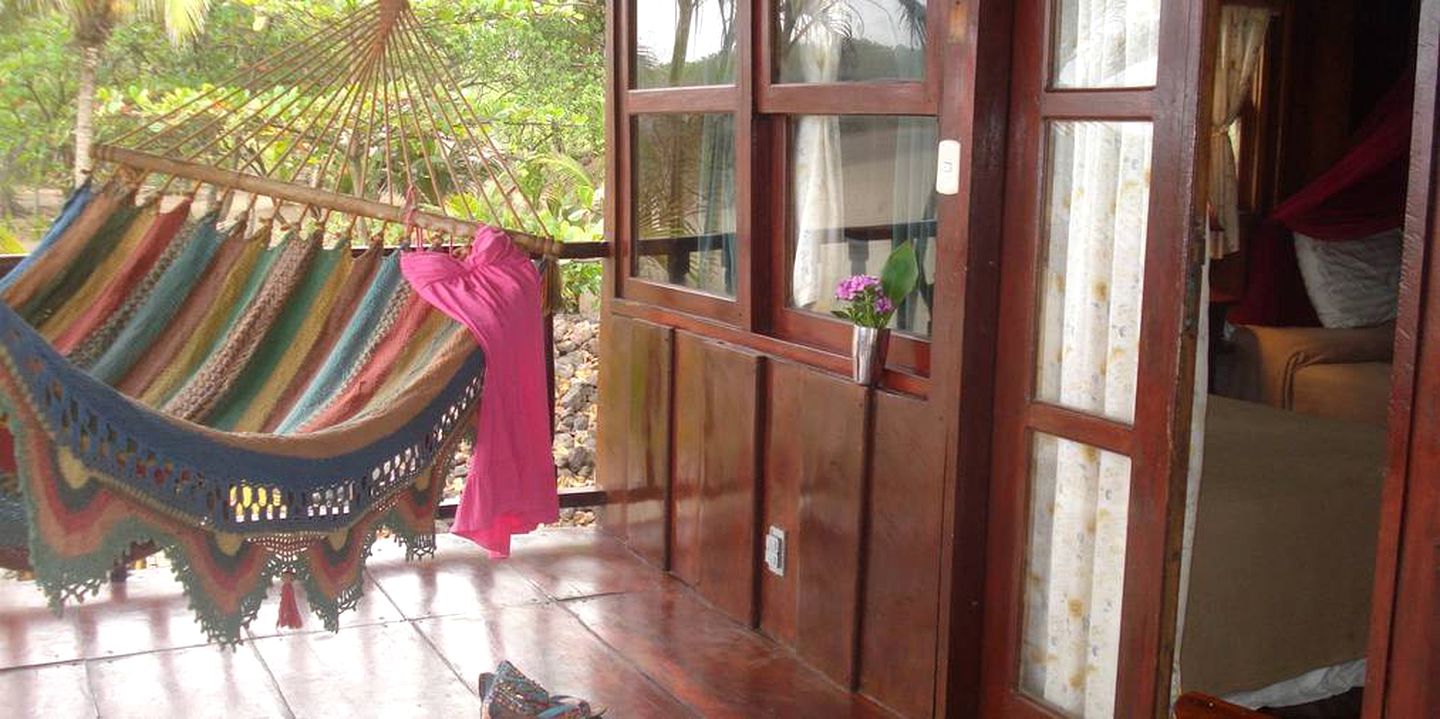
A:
1354	283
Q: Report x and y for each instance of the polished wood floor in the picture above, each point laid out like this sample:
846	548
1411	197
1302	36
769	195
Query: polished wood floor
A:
572	608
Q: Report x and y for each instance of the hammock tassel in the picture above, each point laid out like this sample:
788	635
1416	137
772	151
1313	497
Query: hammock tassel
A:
290	617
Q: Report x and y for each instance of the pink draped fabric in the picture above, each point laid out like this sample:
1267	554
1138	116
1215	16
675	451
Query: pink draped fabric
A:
495	292
1361	194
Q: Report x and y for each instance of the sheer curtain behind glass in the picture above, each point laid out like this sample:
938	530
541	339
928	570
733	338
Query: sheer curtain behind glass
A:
1105	43
1088	353
817	190
1242	37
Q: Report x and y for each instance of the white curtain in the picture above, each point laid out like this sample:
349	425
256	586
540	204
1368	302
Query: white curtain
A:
1089	345
1106	43
1194	472
1242	37
819	192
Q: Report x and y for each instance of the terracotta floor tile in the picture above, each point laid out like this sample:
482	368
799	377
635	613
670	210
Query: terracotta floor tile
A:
572	563
459	580
192	683
145	613
51	692
711	663
550	646
380	670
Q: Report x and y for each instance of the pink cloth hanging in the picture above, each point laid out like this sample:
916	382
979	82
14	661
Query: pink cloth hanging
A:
495	292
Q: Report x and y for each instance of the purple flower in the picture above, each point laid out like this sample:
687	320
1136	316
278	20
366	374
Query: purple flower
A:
884	306
851	287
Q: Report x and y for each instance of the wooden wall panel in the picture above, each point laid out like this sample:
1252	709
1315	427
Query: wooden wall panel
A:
633	442
612	421
814	471
902	569
647	451
715	484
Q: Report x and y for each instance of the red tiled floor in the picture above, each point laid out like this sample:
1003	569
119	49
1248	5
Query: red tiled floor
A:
552	647
380	670
193	683
144	614
460	579
572	608
567	564
58	690
711	663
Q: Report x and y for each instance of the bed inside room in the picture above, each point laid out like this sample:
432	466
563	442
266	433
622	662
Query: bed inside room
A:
1308	169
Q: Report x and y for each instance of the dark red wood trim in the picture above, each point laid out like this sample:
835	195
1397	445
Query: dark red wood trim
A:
1007	517
891	379
1165	392
861	98
1106	104
618	157
684	299
974	109
1080	427
721	98
746	160
1402	662
586	250
906	352
1158	443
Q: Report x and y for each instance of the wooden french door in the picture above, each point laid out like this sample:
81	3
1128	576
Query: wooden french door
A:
1094	386
1403	667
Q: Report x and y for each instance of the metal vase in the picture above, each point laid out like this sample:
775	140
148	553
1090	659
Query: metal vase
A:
867	353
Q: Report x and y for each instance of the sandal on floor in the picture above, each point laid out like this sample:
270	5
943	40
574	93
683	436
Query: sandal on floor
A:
508	694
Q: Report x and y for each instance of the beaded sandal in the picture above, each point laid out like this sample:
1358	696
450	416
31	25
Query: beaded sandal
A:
508	694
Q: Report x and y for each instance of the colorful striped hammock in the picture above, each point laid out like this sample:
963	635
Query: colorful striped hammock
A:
256	404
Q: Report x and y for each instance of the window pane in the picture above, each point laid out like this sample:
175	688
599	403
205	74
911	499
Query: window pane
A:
685	201
1075	576
1093	266
859	187
684	42
1105	43
850	40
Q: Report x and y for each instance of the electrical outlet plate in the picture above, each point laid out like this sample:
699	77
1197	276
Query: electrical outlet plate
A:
775	551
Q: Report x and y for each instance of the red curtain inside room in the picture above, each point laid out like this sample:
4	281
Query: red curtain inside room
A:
1362	194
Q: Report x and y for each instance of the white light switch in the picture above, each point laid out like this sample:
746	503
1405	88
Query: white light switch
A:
775	551
947	167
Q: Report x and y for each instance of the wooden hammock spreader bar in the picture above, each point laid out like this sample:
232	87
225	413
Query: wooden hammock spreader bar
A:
301	194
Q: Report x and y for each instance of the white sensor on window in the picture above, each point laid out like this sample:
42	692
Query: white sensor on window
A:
947	167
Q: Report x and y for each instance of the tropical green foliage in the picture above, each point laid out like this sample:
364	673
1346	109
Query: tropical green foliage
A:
534	67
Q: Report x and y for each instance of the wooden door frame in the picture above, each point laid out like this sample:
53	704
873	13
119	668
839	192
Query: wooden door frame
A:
1403	657
1157	441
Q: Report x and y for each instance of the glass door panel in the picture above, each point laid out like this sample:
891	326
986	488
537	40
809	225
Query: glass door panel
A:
1092	276
1093	310
684	42
849	40
684	215
1079	503
1105	43
861	185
